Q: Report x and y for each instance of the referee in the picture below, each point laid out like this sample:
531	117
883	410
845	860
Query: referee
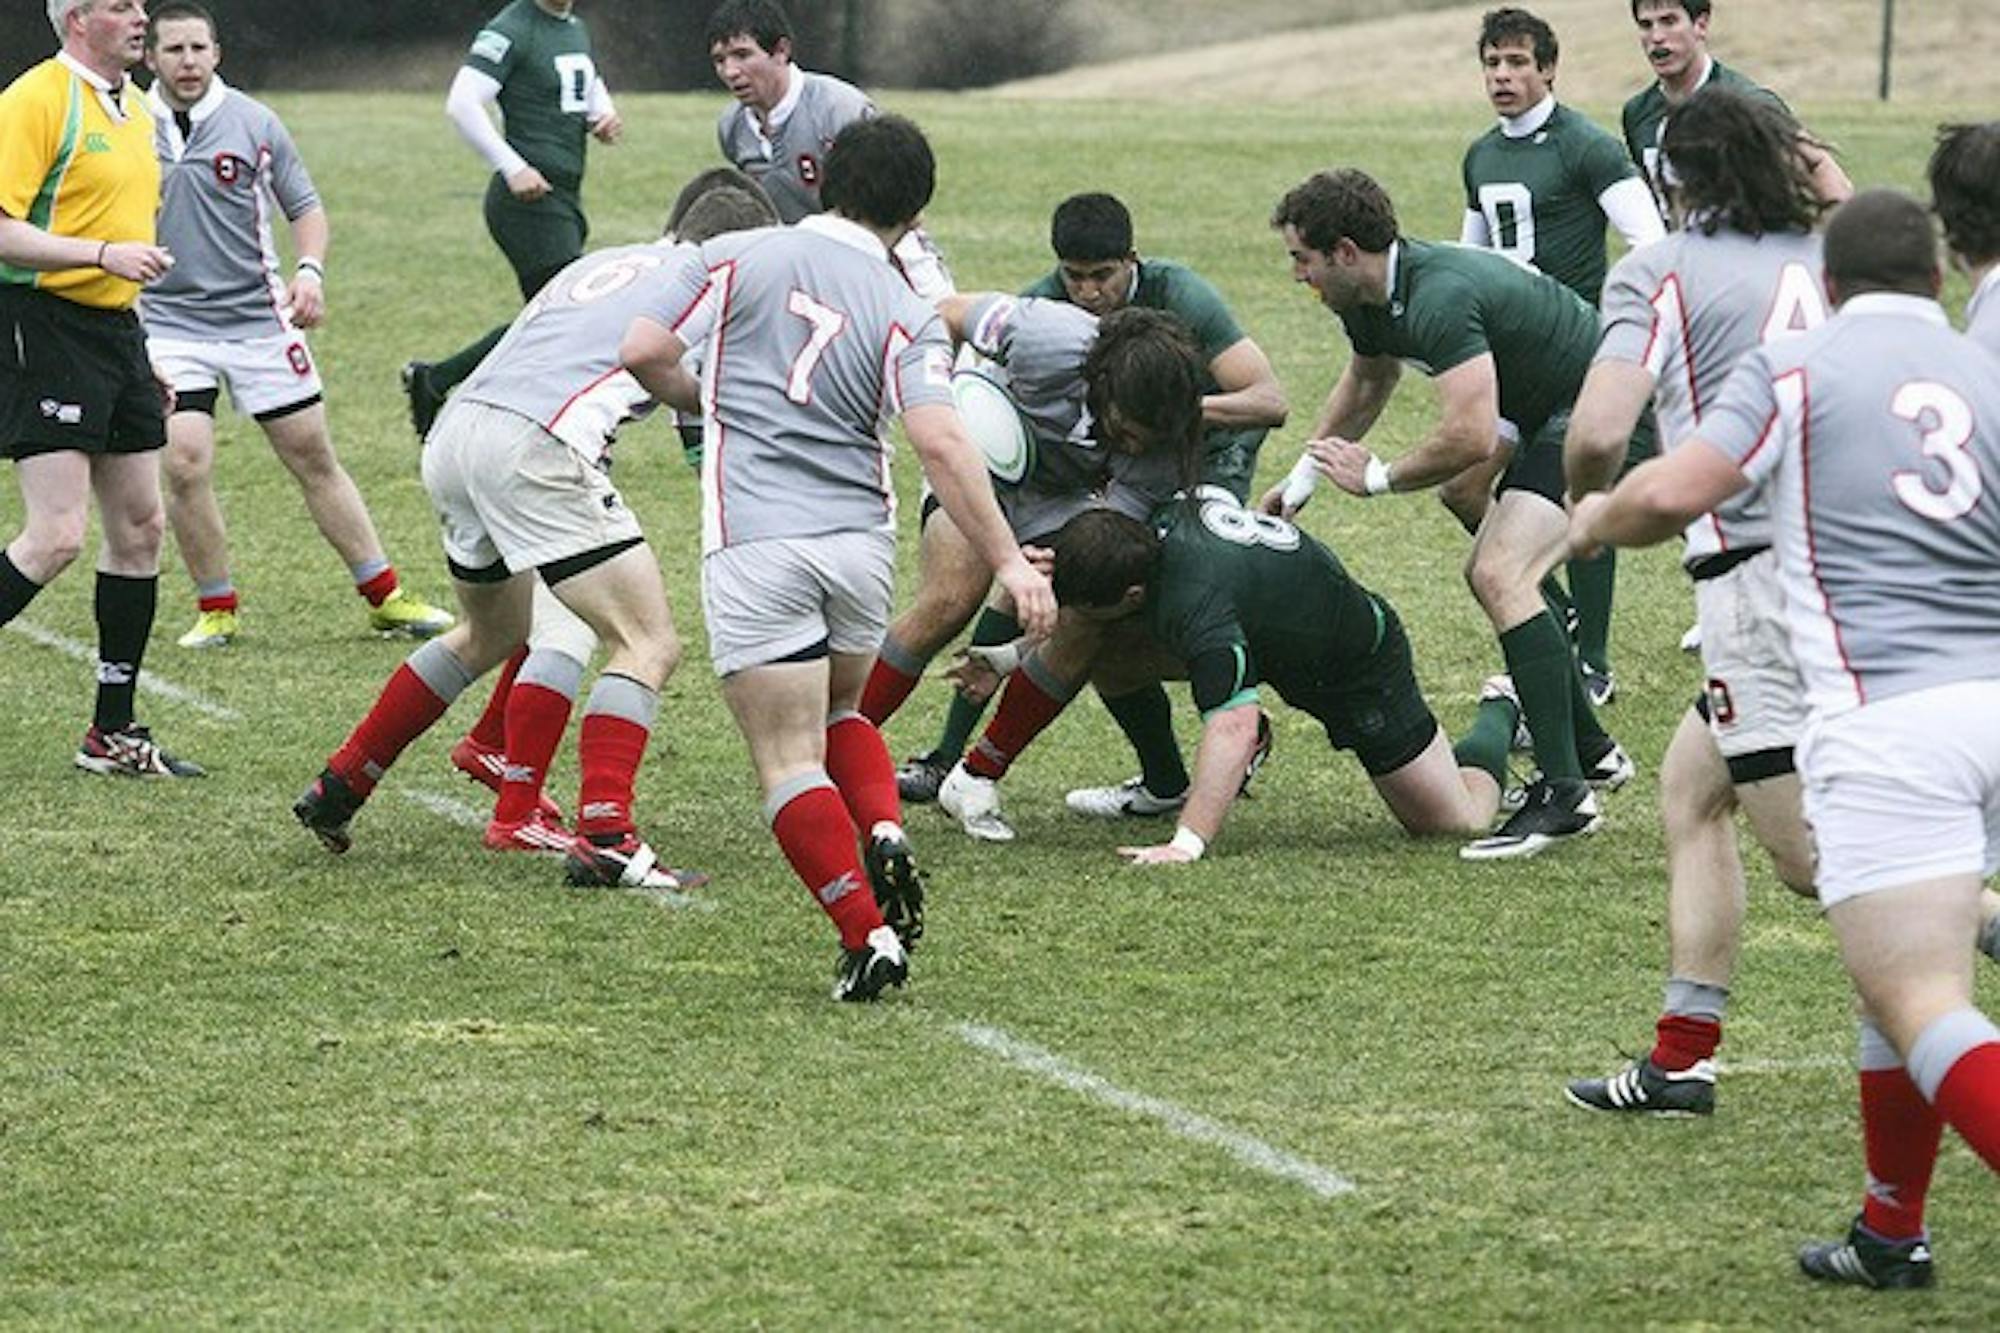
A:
81	413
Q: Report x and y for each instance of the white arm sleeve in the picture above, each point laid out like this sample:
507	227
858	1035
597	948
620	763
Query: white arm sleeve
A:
1629	204
597	103
471	94
1473	230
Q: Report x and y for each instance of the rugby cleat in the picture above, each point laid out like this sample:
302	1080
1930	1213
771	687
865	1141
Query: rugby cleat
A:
130	752
1691	640
212	629
423	399
326	808
405	615
975	803
1556	810
1645	1088
1502	687
1610	768
1600	685
624	861
898	884
488	767
1865	1259
1130	799
918	780
877	965
538	833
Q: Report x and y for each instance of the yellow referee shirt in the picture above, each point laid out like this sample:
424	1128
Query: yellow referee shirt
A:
72	167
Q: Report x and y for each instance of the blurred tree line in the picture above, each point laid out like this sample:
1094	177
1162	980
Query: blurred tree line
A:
641	44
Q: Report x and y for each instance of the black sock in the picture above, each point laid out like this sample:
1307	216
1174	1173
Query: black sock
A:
125	606
16	589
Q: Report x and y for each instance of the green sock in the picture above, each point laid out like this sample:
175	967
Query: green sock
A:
1491	739
994	627
1593	581
1557	599
1590	733
451	372
1544	671
1147	720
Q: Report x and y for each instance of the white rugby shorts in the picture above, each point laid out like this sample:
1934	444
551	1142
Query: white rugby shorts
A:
764	601
1756	701
1905	790
262	375
507	490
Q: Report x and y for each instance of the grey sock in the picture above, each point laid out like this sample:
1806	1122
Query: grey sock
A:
1695	999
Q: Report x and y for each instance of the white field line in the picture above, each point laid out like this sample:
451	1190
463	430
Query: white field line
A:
150	682
1252	1152
474	817
1795	1065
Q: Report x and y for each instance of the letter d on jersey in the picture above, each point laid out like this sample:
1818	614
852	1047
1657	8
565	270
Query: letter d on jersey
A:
995	425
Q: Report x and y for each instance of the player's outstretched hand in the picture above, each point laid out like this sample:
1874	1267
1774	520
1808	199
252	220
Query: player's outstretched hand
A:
608	128
528	185
1034	600
1166	854
135	261
1344	461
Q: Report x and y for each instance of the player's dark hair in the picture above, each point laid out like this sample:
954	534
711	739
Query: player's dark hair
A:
1739	162
1694	9
1146	367
1881	241
1510	27
725	209
179	9
879	171
1099	554
1088	228
1965	188
717	180
765	21
1344	202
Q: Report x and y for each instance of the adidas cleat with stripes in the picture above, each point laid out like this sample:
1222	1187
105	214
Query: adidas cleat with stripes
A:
1865	1259
1644	1088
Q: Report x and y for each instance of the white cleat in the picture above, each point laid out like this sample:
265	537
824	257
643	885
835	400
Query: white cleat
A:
1128	800
975	803
1691	641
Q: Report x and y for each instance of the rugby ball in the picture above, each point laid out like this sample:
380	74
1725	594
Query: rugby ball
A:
994	424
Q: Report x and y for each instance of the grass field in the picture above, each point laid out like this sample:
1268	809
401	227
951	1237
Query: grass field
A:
1313	1081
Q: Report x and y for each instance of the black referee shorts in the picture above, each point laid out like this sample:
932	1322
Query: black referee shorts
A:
74	378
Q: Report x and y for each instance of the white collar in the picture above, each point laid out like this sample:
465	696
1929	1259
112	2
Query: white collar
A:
1389	274
848	233
113	106
1984	292
1525	124
795	88
204	107
1896	303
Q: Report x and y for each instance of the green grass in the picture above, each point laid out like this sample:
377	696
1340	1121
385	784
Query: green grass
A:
242	1082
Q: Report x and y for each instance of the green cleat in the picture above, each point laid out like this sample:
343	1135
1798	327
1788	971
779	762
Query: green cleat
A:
212	629
403	614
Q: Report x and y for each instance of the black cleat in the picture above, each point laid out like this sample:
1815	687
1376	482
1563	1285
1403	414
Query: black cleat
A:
1599	684
1866	1260
868	971
130	752
623	861
326	808
1556	810
1646	1089
1266	738
424	399
898	884
918	780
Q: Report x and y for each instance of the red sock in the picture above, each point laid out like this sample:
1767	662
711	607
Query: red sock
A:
222	602
1025	710
609	748
377	589
818	839
490	730
404	711
1901	1132
1969	1100
536	716
857	759
885	692
1679	1041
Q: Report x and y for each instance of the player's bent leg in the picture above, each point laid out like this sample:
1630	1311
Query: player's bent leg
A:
1906	948
187	472
55	493
133	516
1777	820
858	762
1467	496
1433	794
952	582
1049	677
305	446
619	594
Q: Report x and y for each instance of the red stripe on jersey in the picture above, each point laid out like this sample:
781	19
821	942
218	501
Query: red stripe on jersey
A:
1812	541
728	290
581	394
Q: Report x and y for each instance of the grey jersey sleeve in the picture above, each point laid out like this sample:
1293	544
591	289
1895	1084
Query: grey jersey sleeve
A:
291	183
1743	422
1629	320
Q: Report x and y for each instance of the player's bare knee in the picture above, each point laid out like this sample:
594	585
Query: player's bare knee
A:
185	469
1795	871
51	543
132	538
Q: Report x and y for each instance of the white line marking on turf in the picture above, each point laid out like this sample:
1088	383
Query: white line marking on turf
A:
472	816
1797	1065
149	681
1252	1152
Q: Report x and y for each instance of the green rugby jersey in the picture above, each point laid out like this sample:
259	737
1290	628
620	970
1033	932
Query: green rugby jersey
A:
545	71
1539	194
1243	598
1645	118
1450	303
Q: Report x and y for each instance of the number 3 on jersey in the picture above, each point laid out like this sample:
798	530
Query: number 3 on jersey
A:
826	324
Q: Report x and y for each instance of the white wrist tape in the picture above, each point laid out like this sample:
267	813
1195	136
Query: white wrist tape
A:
1187	840
1375	480
1299	483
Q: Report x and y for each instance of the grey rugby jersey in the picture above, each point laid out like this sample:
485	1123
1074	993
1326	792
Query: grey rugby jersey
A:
1688	308
790	163
217	188
558	363
1877	439
1982	313
811	344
